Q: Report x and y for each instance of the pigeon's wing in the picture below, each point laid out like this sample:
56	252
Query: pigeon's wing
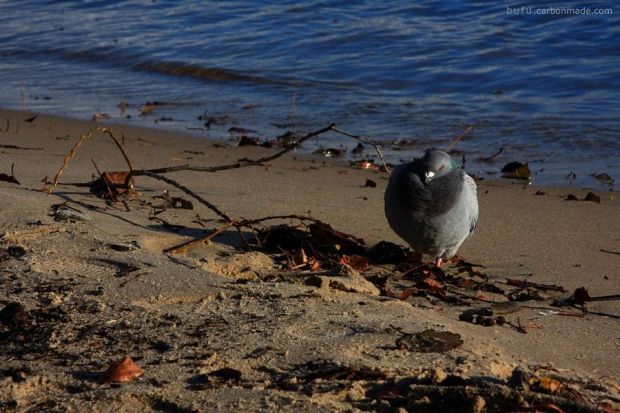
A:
472	201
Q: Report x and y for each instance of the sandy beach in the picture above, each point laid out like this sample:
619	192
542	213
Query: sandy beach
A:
220	328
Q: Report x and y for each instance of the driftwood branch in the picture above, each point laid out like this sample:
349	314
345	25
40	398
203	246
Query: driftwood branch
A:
179	186
79	143
242	164
363	140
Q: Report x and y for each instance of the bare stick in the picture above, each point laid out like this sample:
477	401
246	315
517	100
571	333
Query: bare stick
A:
179	186
79	143
458	138
242	164
366	141
21	90
246	222
110	193
204	240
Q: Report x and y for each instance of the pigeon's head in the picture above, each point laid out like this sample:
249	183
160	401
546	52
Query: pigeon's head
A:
435	164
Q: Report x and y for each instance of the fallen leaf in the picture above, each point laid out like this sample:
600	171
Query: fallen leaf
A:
517	170
385	252
356	262
145	110
581	296
121	370
325	236
432	285
99	116
592	197
571	197
245	141
370	183
299	258
603	177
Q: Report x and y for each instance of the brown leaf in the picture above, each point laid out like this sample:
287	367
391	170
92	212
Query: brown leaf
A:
571	197
99	116
407	293
432	285
314	264
592	197
245	141
370	183
385	252
324	235
121	370
581	296
603	177
356	262
299	258
517	170
146	110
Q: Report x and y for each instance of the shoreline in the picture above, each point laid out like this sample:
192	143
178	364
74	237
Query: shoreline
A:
208	319
485	170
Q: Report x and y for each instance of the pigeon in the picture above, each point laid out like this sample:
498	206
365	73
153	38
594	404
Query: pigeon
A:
432	204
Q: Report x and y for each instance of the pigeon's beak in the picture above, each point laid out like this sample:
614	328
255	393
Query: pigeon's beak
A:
428	176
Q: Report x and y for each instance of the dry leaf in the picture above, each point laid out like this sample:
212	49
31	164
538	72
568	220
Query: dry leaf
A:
299	258
517	170
121	370
356	262
245	141
146	110
99	116
581	296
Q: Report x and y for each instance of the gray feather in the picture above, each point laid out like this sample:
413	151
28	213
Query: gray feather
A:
434	215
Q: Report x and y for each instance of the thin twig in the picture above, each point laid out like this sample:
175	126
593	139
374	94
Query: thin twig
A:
458	138
241	164
79	143
21	90
366	141
204	240
176	185
110	193
492	156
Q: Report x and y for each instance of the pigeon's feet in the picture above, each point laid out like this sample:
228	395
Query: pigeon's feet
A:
438	262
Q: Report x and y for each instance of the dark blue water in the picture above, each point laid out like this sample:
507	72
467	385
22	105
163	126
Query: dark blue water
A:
545	87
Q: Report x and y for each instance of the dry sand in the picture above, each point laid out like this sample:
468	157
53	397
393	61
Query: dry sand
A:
297	347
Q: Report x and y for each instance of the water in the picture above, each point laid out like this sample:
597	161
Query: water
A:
546	88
